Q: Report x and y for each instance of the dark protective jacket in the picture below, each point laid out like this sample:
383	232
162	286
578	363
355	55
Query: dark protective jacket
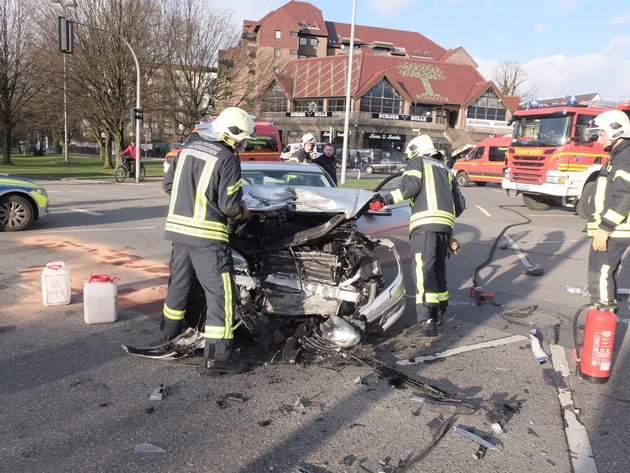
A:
300	156
611	202
329	165
432	192
204	182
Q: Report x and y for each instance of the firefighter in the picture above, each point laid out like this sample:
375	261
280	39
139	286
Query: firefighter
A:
435	203
609	224
303	155
204	182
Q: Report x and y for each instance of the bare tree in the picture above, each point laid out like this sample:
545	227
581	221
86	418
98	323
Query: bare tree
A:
194	33
18	74
512	79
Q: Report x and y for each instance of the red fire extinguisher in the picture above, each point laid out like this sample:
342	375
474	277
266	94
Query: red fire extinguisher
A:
597	347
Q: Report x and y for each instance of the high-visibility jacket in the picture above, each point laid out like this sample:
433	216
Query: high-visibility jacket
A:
610	207
206	189
433	194
300	156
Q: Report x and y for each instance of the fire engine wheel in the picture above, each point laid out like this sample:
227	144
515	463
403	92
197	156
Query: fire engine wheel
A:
583	205
535	202
462	179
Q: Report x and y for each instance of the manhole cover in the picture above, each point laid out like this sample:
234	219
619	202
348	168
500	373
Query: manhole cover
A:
534	316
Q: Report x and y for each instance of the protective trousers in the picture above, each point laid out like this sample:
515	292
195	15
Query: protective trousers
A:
429	272
212	265
602	271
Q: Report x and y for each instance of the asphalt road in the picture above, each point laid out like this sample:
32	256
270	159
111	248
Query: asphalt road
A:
72	401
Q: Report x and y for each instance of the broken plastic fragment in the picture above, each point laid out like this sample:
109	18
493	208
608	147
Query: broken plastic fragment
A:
534	272
539	353
147	448
582	291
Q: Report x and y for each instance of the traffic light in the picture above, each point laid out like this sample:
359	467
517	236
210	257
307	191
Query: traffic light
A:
139	113
65	30
133	118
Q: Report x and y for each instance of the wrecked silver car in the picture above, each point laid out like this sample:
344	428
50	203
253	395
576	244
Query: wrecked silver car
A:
300	261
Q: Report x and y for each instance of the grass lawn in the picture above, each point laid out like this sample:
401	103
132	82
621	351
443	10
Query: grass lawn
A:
91	167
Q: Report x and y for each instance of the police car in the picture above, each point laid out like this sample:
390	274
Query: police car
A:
21	202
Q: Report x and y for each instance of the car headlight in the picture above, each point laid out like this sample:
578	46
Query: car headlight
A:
41	191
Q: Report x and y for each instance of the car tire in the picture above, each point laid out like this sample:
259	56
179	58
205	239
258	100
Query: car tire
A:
369	169
462	179
583	205
535	202
16	213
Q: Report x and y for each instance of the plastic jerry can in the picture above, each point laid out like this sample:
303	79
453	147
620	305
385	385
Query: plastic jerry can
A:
56	284
100	299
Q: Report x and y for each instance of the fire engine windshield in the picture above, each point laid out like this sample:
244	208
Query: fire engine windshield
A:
542	131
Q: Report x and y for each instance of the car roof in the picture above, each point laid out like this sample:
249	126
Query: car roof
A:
281	166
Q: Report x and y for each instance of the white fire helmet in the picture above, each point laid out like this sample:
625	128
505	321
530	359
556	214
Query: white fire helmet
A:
308	138
234	125
420	146
614	123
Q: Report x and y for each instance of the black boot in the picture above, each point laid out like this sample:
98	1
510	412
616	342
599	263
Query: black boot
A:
227	366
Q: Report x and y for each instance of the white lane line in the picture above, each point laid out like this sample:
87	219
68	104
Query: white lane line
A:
88	212
79	230
518	252
467	348
581	454
487	214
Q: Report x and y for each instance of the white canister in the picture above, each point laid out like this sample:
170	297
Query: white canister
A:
56	284
100	299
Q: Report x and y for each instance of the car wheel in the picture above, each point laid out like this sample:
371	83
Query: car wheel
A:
535	202
583	205
369	169
16	213
462	179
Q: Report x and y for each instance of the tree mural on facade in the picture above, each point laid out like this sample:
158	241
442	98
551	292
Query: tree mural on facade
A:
424	72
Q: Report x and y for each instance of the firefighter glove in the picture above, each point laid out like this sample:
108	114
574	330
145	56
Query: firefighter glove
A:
376	203
454	247
600	240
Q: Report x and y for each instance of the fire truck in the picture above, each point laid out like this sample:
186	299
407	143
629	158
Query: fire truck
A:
552	160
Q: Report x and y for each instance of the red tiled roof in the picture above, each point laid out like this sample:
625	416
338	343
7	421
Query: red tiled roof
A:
298	12
422	80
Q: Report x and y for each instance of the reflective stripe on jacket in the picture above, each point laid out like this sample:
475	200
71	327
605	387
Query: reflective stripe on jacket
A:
433	194
611	202
206	189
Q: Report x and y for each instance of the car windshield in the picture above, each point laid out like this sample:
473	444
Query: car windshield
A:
542	131
278	177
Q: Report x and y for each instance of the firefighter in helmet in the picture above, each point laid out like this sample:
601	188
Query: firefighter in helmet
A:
204	182
435	203
609	224
304	154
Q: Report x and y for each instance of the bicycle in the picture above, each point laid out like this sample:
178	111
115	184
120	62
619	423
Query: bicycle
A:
123	172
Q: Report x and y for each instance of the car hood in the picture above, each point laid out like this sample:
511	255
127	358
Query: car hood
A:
18	182
306	199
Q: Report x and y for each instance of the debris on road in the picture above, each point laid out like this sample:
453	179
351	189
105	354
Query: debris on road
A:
448	406
475	438
158	393
539	353
147	448
439	435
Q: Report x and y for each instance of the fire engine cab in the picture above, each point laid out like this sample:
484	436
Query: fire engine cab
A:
552	160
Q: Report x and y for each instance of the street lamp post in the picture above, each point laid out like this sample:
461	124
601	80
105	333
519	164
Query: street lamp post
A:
346	125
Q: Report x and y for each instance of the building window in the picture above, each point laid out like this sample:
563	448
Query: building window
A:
303	41
487	107
308	105
278	34
276	52
336	105
419	109
274	100
276	69
381	98
294	33
314	42
293	51
302	56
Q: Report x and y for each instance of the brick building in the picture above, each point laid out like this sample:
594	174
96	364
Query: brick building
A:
403	84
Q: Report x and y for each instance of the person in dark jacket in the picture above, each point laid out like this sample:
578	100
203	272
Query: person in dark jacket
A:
204	182
609	224
328	162
435	203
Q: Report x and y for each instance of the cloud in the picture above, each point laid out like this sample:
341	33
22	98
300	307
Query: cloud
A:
620	20
618	47
540	28
389	7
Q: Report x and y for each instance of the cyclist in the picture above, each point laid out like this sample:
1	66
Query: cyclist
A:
132	151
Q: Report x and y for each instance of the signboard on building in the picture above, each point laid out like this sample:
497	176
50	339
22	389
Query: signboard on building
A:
486	123
384	136
308	114
339	134
407	118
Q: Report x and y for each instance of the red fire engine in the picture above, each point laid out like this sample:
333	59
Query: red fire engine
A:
552	161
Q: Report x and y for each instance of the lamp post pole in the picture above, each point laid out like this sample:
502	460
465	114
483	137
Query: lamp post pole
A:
346	125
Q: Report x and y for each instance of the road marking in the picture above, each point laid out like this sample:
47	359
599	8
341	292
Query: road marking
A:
484	211
518	252
550	241
581	454
94	230
464	349
89	212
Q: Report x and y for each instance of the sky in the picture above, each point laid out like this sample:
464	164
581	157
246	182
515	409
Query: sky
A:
566	47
